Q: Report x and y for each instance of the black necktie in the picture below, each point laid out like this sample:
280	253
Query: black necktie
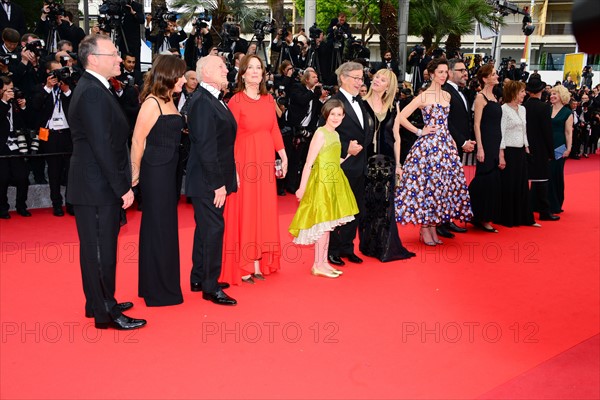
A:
356	99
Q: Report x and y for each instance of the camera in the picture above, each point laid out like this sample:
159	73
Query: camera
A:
18	94
314	32
114	7
419	50
262	28
55	9
66	75
327	88
36	47
163	16
7	58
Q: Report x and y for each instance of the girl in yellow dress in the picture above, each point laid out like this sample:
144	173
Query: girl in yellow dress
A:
326	199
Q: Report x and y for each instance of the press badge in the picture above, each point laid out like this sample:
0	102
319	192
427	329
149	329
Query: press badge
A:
58	123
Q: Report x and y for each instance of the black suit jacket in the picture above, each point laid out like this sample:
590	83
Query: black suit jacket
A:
211	162
393	67
42	105
539	136
460	123
300	98
17	18
350	129
100	171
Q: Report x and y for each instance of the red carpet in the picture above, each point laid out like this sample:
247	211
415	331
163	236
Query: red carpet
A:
507	315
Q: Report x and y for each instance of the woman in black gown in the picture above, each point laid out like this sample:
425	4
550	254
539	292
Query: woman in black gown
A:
154	157
378	230
485	186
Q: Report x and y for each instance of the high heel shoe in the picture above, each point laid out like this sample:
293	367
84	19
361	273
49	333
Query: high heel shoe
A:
480	225
422	238
436	239
317	272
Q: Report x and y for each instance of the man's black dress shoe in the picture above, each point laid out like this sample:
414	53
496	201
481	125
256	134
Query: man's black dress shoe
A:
23	212
353	258
452	227
443	232
58	211
70	209
335	260
549	217
219	297
121	306
123	323
197	287
4	215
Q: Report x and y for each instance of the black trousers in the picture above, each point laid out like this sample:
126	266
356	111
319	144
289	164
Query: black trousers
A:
58	166
556	185
98	230
13	171
538	197
207	253
341	239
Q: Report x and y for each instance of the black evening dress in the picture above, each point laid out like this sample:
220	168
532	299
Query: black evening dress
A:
378	231
159	279
485	186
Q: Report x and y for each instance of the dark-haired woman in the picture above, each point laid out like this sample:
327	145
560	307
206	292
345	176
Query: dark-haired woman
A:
154	157
251	246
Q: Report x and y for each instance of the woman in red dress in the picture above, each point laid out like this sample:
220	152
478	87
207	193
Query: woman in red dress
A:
251	247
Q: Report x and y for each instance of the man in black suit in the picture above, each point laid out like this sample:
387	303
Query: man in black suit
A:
301	119
134	17
356	134
211	176
12	16
99	180
389	63
50	104
541	148
460	123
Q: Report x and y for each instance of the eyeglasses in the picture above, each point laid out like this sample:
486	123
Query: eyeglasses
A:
461	70
115	54
356	78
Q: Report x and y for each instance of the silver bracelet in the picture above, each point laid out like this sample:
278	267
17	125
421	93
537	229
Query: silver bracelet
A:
419	132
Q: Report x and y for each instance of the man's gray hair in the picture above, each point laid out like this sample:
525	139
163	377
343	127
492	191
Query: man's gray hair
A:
453	61
200	65
89	45
346	68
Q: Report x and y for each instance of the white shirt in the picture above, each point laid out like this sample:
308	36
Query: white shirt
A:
7	8
462	96
514	128
58	120
99	77
355	106
213	91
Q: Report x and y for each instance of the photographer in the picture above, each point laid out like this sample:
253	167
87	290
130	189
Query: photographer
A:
14	169
127	88
168	34
70	32
338	31
28	72
234	69
10	56
283	43
301	120
356	51
131	38
198	44
418	60
50	103
587	76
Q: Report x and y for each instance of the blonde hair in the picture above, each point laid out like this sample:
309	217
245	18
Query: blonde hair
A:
390	94
563	94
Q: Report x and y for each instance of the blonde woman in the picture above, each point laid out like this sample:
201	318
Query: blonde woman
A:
562	135
378	231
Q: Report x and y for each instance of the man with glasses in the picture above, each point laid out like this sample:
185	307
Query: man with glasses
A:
99	180
356	134
460	123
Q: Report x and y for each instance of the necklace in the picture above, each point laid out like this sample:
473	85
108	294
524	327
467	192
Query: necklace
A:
254	96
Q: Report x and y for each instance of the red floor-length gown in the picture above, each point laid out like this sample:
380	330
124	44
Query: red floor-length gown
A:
251	215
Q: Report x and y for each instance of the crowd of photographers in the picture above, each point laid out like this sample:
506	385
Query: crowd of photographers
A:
39	72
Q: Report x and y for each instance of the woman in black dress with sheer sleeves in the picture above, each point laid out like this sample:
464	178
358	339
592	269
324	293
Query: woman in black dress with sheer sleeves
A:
154	157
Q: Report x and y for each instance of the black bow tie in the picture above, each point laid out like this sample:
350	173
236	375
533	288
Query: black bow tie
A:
461	89
356	99
220	96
